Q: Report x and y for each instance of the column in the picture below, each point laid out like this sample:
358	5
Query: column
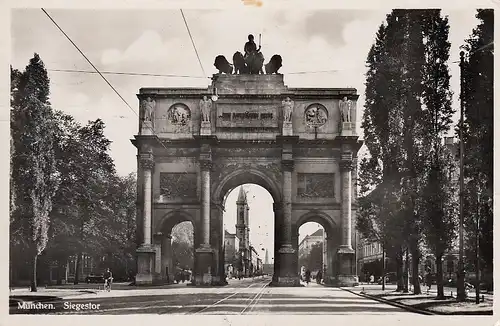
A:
205	167
287	276
286	230
204	260
146	252
345	171
345	272
147	164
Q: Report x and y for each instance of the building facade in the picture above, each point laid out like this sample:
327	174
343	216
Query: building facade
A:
231	253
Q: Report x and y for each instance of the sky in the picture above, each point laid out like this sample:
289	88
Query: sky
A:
157	42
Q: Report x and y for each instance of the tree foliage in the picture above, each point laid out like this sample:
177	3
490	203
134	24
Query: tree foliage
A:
62	173
183	245
33	161
407	95
478	136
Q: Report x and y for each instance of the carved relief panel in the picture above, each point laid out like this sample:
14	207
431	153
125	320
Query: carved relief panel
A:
178	185
177	119
315	115
316	185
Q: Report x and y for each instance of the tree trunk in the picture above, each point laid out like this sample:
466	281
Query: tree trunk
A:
415	259
77	269
439	276
399	272
34	275
406	275
60	272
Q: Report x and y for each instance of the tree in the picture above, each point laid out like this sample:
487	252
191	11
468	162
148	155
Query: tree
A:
439	209
406	61
33	161
478	138
437	203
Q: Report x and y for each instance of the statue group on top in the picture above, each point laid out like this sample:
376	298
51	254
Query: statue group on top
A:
252	62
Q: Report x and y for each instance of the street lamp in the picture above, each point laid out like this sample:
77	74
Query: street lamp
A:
460	274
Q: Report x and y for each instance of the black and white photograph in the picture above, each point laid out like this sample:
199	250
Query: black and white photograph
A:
251	160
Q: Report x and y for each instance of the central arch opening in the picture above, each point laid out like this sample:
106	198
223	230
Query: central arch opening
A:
248	223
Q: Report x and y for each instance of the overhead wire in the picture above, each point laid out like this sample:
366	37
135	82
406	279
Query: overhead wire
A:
168	75
102	76
125	73
192	41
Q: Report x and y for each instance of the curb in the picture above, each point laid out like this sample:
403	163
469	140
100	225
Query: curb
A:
394	304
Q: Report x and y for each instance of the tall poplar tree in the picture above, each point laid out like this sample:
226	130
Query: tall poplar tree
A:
478	138
33	160
438	200
396	129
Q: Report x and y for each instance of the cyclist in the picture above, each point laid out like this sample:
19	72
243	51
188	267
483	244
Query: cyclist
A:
108	277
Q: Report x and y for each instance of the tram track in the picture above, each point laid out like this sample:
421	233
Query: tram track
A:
249	304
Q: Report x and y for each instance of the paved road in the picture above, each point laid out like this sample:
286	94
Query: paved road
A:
239	297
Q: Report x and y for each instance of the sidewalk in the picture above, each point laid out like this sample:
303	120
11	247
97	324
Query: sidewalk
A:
426	303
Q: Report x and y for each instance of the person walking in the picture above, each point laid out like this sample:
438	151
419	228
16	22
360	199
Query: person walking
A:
319	277
308	276
428	279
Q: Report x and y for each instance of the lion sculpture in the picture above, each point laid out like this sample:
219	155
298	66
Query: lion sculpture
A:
240	66
223	65
274	64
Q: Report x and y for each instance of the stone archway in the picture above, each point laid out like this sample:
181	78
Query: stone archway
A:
332	240
291	141
162	241
256	174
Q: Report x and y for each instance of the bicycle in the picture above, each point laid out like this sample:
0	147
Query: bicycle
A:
107	284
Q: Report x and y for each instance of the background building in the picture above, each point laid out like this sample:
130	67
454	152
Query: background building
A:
231	248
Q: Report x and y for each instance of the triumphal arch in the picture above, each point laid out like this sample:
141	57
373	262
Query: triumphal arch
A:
197	144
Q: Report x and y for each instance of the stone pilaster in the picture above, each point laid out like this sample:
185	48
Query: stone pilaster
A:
166	258
278	222
157	244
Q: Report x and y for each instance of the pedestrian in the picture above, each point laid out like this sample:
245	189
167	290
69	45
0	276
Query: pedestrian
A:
428	280
308	276
372	279
319	276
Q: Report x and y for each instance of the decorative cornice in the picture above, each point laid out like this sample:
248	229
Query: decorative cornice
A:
287	139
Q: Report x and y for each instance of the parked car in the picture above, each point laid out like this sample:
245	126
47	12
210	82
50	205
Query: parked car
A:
93	278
